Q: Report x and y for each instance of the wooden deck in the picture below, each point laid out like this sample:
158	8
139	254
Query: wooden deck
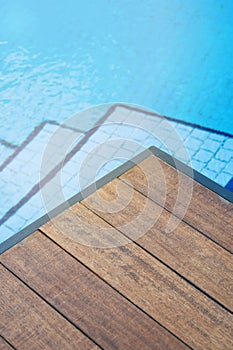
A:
101	282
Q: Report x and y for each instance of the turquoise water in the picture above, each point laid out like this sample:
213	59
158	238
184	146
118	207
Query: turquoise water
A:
59	57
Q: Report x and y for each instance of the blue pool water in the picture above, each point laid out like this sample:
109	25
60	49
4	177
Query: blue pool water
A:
58	57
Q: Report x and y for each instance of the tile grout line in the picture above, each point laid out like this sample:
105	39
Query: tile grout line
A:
177	120
35	189
30	137
8	144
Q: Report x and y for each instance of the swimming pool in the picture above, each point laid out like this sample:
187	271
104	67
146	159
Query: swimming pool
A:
58	58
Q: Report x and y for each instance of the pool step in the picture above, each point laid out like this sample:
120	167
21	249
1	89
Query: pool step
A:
57	162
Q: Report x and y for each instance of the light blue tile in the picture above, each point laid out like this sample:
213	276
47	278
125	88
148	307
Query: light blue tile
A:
228	144
197	165
229	168
203	156
224	155
209	173
123	153
193	143
90	145
139	135
132	146
150	141
223	178
216	165
150	124
183	131
191	152
211	145
217	137
172	146
107	151
99	137
70	191
25	213
5	153
102	172
50	128
134	118
124	131
5	233
199	134
113	164
17	222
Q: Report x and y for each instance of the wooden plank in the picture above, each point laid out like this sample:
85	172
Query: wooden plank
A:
148	283
4	345
197	258
207	211
27	322
101	312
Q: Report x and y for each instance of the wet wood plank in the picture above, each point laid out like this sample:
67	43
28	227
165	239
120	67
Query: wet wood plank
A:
160	292
191	254
102	313
83	273
207	211
4	345
28	322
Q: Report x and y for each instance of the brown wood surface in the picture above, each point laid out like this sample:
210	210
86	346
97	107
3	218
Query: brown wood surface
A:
96	308
207	211
109	268
197	258
147	282
4	345
28	322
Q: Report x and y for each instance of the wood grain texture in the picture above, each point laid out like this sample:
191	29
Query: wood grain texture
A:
4	345
207	211
197	258
148	283
28	322
97	309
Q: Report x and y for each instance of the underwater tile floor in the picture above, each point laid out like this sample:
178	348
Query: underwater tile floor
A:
57	162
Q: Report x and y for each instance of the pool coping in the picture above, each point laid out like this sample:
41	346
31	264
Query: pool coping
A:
180	166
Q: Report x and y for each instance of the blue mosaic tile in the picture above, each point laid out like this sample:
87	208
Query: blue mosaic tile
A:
203	156
209	173
217	137
228	144
199	134
229	167
183	131
224	154
197	165
17	221
193	143
6	232
216	165
124	131
223	178
5	152
211	145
